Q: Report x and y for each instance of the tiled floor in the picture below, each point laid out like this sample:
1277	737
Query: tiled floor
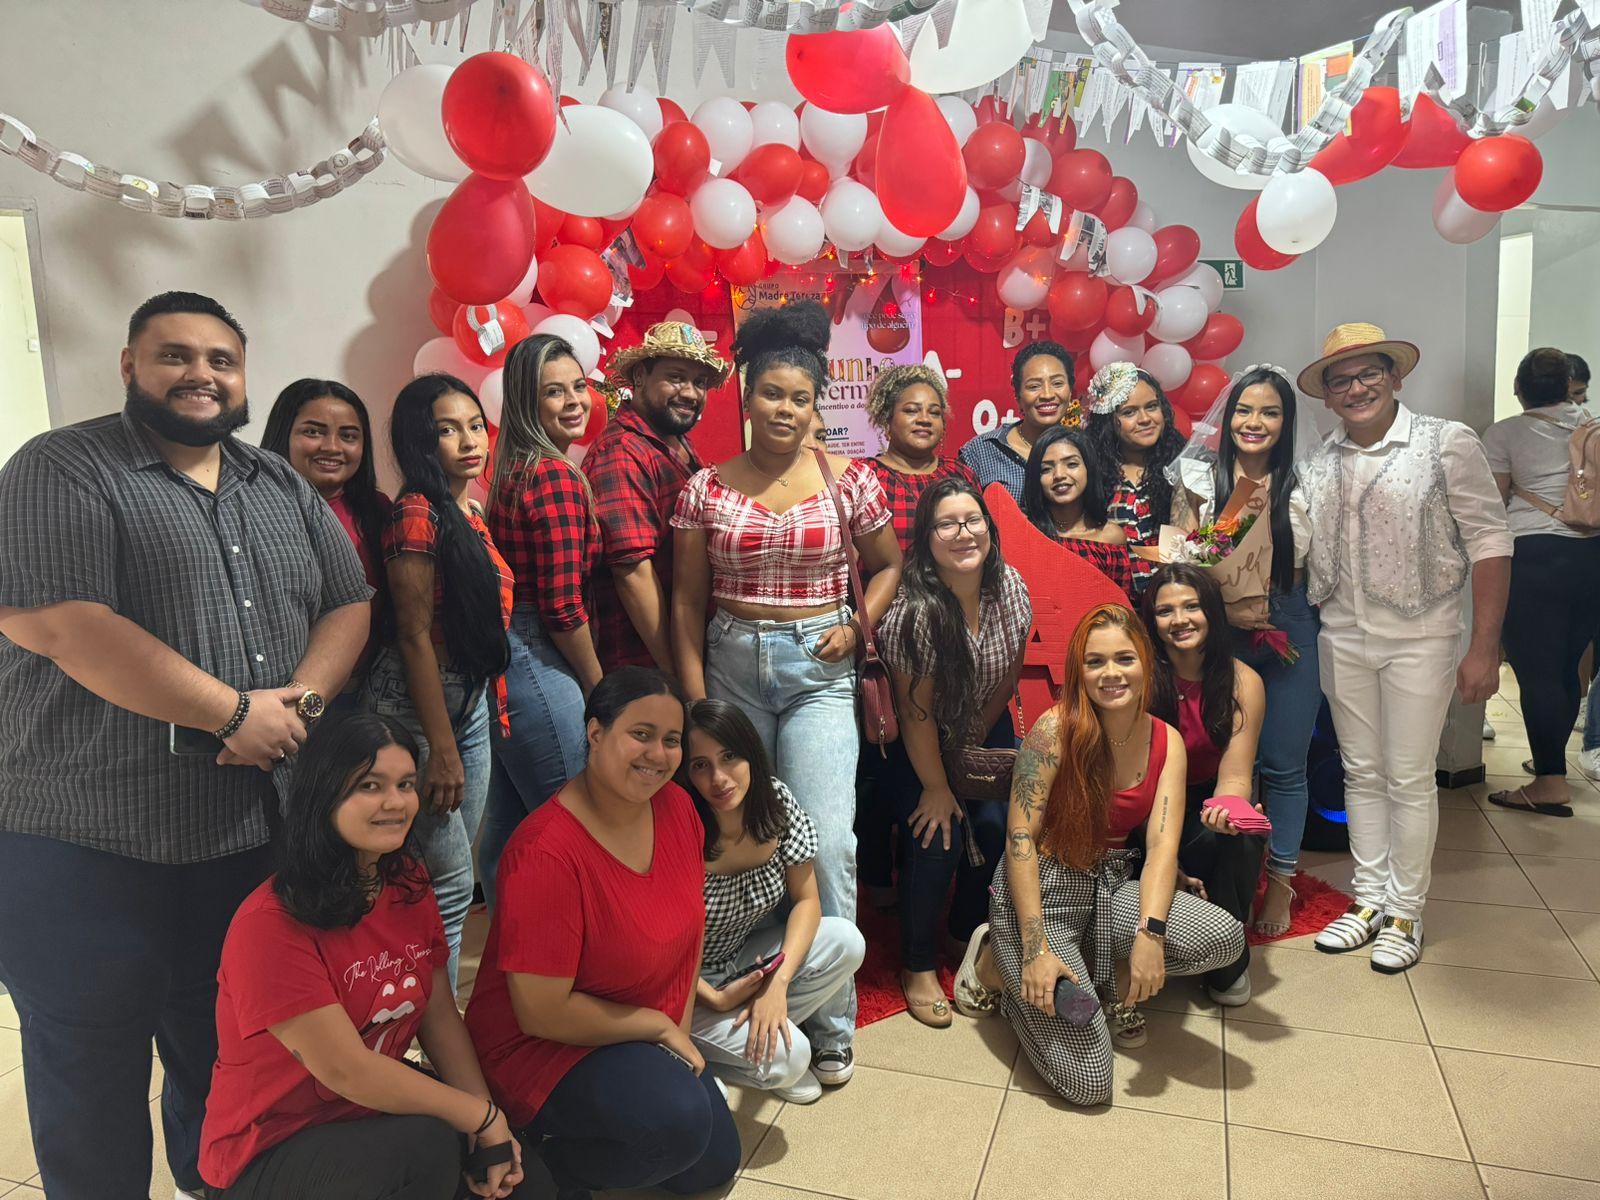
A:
1475	1075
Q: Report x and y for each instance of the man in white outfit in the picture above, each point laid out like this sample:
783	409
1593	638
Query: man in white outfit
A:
1404	511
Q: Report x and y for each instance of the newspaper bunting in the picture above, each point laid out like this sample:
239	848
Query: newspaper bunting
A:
363	17
1566	37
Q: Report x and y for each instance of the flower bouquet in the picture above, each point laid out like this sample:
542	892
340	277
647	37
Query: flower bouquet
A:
1208	545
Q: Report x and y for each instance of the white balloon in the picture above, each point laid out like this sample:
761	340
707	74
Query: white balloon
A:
1236	119
443	356
1180	314
1109	347
1170	363
1036	162
963	121
492	395
987	38
578	334
1130	255
408	114
1203	276
724	214
1297	212
833	138
1012	191
896	244
774	123
852	215
728	129
642	108
1144	217
599	163
1455	219
794	233
622	214
965	219
1023	281
523	292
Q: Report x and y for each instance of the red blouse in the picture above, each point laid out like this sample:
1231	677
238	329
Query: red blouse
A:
1204	756
1130	808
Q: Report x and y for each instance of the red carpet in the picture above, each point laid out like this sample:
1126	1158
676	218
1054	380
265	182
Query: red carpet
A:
878	993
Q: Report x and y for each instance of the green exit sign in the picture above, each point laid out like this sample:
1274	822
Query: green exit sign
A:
1231	270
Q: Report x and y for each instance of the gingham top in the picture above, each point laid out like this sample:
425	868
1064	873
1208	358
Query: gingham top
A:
792	559
735	904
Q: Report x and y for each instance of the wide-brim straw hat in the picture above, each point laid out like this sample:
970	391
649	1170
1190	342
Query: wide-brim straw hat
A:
669	339
1352	341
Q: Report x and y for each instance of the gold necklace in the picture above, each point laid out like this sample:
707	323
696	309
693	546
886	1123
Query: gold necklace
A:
1126	740
781	480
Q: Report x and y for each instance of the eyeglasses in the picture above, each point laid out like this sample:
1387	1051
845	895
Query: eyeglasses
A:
1371	377
949	531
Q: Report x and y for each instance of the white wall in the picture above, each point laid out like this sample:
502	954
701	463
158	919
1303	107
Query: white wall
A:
21	352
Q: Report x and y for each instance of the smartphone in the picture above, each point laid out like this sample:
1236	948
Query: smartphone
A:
765	966
186	742
1074	1004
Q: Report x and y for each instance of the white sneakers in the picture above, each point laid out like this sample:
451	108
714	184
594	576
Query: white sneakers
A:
807	1091
1398	946
1589	764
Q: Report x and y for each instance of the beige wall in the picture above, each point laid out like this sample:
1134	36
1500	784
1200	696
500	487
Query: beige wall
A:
24	406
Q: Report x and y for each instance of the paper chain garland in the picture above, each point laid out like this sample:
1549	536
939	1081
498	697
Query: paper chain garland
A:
299	189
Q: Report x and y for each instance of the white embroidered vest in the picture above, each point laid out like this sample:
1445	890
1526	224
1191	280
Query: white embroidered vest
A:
1411	556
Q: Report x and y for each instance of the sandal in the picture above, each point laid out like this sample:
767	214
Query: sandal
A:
1127	1025
1517	801
972	998
935	1014
1274	929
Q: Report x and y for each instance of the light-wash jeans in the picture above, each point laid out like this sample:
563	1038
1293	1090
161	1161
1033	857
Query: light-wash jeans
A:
546	747
831	963
446	839
805	711
1591	721
1389	699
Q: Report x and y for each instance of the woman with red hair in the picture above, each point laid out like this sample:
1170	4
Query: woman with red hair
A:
1063	908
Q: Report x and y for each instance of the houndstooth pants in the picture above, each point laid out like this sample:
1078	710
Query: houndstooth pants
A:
1076	1060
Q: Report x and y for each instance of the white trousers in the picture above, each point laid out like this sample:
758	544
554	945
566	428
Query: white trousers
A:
836	952
1389	699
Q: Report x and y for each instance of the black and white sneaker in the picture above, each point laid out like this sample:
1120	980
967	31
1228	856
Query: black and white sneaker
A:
833	1067
1398	945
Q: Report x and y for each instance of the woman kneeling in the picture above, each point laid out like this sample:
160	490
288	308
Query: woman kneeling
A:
327	973
760	978
1064	906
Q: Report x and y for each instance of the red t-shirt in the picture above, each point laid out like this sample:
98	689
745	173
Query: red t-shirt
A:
566	908
273	968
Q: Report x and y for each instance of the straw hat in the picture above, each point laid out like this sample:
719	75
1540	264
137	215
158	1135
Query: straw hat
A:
1352	341
669	339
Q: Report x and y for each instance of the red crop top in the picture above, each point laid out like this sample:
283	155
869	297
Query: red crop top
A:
1130	807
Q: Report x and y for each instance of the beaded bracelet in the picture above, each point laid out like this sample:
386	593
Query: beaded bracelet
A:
235	721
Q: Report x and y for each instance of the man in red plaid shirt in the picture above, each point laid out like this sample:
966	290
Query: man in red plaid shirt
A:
637	467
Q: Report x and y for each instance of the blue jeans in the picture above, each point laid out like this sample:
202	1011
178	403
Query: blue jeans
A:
1591	724
805	711
446	838
1294	695
546	747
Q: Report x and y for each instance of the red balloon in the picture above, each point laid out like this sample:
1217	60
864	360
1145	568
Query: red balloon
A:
671	111
1433	138
682	156
937	253
921	175
1058	134
1120	202
771	173
498	115
744	264
547	222
1375	136
481	242
1076	340
687	276
1181	421
663	226
1205	384
513	327
1498	173
995	234
1037	231
649	276
984	264
852	71
865	167
1123	315
568	101
699	254
1248	241
442	311
988	110
994	155
1222	335
814	180
1082	178
575	281
875	121
1177	249
1077	300
583	231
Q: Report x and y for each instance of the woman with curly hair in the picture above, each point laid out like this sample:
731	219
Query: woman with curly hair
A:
1132	434
907	405
760	535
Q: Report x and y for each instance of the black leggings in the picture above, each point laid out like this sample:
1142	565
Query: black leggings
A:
1551	617
375	1158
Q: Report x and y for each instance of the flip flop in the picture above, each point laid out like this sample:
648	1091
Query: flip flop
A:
1510	800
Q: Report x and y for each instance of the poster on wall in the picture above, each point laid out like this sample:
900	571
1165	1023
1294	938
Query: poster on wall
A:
876	323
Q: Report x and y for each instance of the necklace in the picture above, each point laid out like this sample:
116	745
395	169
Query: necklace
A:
781	480
1125	740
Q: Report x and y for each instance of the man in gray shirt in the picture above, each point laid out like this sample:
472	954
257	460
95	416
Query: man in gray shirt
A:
162	586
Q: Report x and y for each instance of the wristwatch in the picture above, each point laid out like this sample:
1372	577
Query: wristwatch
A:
311	705
1153	927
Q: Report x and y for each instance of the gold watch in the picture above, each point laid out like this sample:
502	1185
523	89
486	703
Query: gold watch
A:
311	705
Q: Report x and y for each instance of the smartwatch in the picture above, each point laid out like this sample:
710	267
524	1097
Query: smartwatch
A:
1154	927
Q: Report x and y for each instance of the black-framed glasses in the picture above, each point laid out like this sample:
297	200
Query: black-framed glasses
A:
1370	377
949	531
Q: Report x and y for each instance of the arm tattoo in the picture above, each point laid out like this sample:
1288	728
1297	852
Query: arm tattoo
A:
1035	769
1021	845
1032	938
1164	807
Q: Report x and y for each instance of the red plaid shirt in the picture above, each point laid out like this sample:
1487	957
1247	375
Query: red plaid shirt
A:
541	520
1130	508
903	492
413	528
637	480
